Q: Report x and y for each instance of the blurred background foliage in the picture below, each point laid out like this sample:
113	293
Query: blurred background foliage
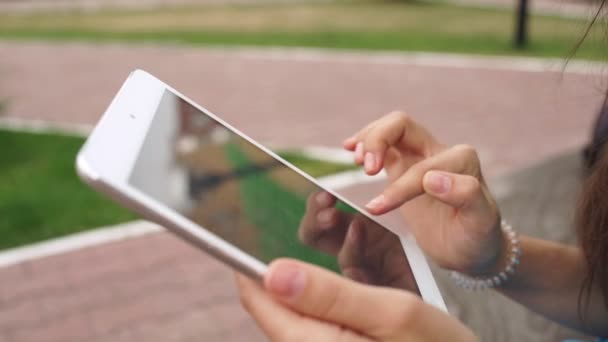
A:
437	26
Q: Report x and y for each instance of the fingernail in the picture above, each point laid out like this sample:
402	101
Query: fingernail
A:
376	204
323	199
359	152
287	280
438	182
325	216
370	162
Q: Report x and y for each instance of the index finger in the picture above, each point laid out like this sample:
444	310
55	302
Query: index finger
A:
400	131
459	159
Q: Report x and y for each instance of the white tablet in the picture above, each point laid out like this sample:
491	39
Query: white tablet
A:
177	164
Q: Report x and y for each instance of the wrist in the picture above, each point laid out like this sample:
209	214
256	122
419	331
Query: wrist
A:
498	257
501	271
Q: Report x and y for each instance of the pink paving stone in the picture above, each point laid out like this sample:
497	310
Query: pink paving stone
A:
139	297
174	293
147	252
233	323
196	323
11	277
74	302
21	314
68	328
122	336
18	288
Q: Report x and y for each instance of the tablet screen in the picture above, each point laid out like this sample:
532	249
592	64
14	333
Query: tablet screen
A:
219	180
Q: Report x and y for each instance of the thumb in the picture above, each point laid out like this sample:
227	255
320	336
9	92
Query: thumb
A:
456	190
321	294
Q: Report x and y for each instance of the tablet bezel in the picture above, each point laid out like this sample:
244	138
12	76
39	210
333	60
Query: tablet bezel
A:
106	160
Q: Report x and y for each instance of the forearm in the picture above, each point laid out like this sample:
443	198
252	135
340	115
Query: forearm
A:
548	280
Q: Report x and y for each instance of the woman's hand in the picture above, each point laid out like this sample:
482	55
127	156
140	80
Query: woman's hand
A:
307	303
439	190
365	251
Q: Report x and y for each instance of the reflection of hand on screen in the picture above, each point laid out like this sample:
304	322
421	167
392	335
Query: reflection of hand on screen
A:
366	251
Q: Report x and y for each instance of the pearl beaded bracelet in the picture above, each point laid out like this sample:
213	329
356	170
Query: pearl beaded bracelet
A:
483	283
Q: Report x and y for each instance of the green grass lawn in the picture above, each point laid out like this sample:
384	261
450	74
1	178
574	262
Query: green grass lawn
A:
41	196
376	25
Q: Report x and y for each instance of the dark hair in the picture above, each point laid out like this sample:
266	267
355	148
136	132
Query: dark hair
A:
599	137
592	212
592	230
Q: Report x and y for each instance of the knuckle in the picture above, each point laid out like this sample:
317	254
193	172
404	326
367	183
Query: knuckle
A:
472	187
400	115
466	150
308	234
469	154
418	170
374	142
404	119
365	130
311	202
305	235
331	217
408	307
307	229
331	302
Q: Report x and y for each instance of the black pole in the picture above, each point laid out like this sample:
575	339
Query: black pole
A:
521	30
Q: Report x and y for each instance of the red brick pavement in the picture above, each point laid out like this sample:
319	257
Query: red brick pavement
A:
156	288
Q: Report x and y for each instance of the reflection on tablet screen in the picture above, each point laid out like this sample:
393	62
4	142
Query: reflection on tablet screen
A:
222	182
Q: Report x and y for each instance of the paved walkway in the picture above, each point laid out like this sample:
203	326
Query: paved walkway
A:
515	117
156	288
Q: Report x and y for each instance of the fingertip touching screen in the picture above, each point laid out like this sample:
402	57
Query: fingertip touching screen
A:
230	187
